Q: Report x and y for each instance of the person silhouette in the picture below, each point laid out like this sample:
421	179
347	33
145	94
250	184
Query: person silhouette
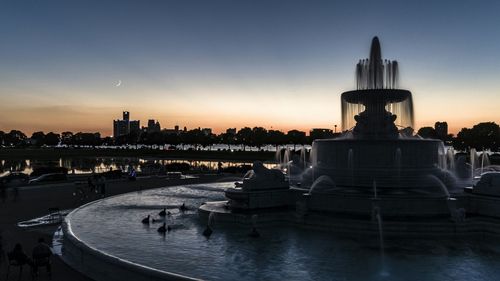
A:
20	256
41	257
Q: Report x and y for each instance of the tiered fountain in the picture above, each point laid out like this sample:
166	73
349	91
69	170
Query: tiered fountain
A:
408	170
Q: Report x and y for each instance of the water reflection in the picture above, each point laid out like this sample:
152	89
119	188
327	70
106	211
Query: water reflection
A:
85	165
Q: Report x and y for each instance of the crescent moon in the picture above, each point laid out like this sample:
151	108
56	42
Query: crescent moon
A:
119	83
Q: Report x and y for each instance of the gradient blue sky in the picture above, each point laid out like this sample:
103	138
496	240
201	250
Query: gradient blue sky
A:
220	64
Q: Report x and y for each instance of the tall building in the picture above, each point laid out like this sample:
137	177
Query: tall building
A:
441	129
153	126
125	126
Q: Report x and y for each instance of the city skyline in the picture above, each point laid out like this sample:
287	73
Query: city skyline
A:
235	64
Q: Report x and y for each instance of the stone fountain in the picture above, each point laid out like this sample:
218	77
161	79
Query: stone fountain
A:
378	145
376	149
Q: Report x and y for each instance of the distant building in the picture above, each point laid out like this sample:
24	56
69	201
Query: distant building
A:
441	129
174	131
125	126
321	133
206	131
153	126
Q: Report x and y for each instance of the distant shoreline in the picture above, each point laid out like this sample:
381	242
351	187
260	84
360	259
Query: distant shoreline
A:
52	153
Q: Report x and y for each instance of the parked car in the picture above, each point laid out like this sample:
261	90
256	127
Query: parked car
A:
114	174
49	178
48	170
9	179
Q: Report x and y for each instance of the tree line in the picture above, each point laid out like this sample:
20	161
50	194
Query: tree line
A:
481	136
257	137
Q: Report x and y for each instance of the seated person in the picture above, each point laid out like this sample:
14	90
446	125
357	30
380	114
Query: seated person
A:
41	256
19	256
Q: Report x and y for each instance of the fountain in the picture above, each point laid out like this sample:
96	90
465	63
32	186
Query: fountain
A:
473	163
485	161
376	167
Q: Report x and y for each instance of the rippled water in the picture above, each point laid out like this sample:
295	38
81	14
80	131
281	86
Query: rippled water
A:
281	253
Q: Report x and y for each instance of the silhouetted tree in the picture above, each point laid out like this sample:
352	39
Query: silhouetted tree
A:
258	137
244	137
38	138
172	138
91	139
151	138
482	136
15	138
52	139
427	132
67	138
227	138
296	137
276	138
107	141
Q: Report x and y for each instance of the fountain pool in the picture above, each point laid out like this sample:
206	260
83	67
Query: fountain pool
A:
283	252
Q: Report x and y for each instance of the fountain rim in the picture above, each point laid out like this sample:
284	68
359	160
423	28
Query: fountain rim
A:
114	261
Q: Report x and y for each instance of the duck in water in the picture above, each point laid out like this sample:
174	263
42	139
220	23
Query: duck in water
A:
163	212
183	207
146	220
164	228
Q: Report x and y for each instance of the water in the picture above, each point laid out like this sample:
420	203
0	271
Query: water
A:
281	253
473	162
439	183
350	165
485	161
383	270
85	165
450	155
323	182
303	158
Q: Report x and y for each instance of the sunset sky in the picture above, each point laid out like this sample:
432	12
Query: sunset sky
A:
219	64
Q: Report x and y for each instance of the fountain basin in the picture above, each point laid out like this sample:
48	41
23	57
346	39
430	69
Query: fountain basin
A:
393	163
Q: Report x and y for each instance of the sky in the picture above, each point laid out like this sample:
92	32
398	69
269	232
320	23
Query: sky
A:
220	64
